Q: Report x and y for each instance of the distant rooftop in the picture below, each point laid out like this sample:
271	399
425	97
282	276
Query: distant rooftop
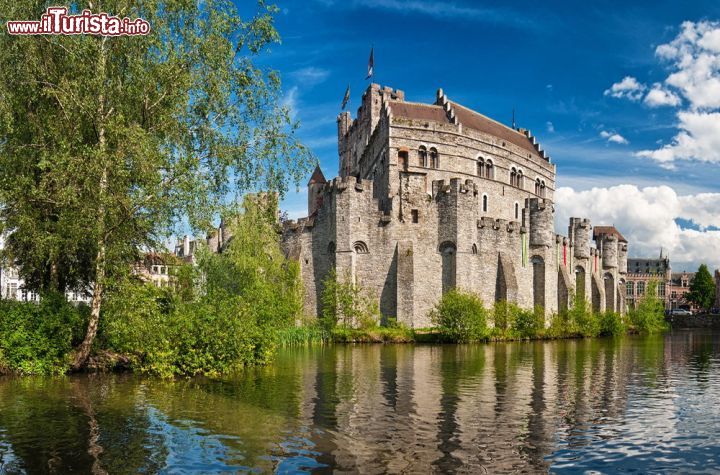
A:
608	230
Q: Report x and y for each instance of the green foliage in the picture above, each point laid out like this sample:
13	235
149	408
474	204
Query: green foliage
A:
648	316
582	319
247	295
460	317
308	333
610	324
702	289
36	338
502	315
347	304
108	143
528	323
376	334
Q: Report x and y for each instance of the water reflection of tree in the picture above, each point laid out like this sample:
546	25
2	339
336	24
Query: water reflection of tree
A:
75	424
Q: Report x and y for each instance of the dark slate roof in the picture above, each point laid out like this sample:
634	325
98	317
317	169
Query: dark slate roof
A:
317	176
598	230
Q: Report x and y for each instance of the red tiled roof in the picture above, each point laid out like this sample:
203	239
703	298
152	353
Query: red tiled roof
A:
598	230
419	111
479	122
466	117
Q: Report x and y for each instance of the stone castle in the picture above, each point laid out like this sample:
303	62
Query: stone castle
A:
436	196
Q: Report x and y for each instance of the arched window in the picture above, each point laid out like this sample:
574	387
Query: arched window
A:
485	203
517	211
360	247
481	167
474	248
542	188
519	178
630	288
513	176
537	186
422	156
434	158
489	170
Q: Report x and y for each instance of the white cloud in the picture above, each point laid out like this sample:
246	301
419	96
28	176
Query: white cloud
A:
614	137
694	55
693	59
698	139
647	218
659	96
628	88
550	127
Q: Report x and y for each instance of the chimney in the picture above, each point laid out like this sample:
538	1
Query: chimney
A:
186	246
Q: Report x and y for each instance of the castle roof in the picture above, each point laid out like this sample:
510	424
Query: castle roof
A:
468	118
608	230
481	123
317	176
416	111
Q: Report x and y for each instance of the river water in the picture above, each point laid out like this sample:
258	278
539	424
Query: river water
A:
635	404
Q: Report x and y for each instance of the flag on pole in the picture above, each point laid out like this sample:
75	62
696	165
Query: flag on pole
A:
346	98
371	63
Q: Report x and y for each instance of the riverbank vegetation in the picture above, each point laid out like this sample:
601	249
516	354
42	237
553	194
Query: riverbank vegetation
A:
130	141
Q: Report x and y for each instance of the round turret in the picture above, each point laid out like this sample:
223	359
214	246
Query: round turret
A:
581	240
610	252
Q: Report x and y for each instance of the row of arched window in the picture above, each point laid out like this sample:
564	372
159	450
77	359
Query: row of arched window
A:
429	158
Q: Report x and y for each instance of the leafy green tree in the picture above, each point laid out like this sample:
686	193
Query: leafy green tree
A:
702	289
648	316
107	143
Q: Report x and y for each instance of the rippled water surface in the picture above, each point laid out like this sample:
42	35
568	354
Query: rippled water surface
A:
636	404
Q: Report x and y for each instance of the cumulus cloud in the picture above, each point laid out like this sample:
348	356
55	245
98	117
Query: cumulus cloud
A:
628	88
697	139
659	96
614	137
647	217
693	86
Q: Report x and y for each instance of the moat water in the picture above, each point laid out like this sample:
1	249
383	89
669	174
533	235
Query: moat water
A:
636	404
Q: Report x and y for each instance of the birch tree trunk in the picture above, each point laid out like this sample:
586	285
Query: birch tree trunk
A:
83	351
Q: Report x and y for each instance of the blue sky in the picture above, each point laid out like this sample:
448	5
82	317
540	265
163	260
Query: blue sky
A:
556	64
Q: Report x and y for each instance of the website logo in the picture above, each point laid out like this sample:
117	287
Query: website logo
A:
56	21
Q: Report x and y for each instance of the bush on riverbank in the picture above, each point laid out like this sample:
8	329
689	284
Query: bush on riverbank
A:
347	304
37	338
648	316
460	317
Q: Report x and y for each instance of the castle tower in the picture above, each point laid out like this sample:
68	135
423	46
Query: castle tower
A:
579	234
315	190
541	222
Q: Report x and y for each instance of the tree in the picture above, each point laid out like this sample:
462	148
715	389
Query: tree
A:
107	143
702	289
